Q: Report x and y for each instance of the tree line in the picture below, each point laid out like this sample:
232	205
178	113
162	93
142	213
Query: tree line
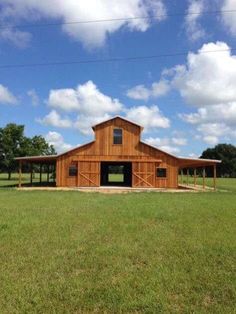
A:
14	143
226	153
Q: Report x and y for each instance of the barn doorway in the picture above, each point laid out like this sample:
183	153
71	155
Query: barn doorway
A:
116	174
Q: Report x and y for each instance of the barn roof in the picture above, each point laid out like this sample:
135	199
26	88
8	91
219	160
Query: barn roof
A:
183	161
187	160
119	117
41	158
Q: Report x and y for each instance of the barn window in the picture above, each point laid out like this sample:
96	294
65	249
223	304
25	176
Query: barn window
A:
73	170
117	136
161	172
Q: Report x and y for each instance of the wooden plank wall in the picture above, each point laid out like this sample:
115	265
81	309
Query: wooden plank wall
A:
102	149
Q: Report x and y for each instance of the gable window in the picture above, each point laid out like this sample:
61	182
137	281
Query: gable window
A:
161	172
117	136
73	170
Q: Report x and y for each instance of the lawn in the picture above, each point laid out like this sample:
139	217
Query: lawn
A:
4	182
73	252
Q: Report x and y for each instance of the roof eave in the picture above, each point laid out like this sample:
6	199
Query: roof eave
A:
94	126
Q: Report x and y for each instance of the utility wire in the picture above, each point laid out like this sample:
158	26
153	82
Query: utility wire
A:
115	59
2	26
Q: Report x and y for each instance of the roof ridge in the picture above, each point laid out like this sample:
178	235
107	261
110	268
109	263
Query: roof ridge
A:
117	116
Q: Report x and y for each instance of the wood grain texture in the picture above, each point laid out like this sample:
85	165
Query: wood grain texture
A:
145	159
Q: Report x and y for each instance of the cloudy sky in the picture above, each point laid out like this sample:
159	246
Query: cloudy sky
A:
185	98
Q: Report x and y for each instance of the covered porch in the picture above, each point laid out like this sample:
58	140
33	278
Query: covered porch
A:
42	166
195	173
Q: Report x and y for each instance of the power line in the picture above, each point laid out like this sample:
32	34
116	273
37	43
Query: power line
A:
115	59
2	26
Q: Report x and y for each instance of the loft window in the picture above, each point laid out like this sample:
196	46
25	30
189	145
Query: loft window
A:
161	172
73	170
117	136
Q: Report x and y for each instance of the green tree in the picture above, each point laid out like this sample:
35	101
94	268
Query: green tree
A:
11	140
13	144
38	146
226	153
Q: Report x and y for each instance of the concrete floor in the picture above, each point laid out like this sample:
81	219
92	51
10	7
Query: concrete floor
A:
117	190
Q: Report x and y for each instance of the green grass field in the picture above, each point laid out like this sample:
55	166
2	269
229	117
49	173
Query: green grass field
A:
74	252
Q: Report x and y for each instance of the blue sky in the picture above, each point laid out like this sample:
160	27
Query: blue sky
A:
186	103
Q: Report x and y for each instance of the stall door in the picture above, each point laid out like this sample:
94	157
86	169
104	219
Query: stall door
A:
143	174
88	174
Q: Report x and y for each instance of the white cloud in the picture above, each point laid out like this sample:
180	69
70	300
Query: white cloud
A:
208	82
229	19
148	117
92	107
222	112
34	97
216	129
6	97
90	34
193	28
84	123
86	99
54	119
57	140
211	139
18	38
208	78
193	155
163	144
140	92
180	141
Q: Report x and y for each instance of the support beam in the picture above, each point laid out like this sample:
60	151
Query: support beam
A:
195	176
20	174
187	176
181	176
214	177
40	173
203	178
31	174
48	173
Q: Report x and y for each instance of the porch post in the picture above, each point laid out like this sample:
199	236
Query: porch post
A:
195	176
20	174
40	173
47	172
181	176
78	175
214	177
31	174
187	176
203	178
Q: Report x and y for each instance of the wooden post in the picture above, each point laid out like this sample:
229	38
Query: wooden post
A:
20	174
214	177
181	176
78	174
31	174
195	176
187	176
55	173
40	173
203	178
48	173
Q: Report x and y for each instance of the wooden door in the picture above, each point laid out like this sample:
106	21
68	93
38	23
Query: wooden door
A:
88	174
143	174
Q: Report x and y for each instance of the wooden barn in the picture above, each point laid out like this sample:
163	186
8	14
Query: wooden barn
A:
117	157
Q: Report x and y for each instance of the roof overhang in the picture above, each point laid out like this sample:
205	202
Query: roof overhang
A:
39	159
120	117
197	162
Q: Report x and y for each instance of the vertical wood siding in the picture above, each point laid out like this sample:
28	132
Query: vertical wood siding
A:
140	154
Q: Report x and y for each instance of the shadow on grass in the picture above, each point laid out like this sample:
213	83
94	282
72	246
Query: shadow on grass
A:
35	184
